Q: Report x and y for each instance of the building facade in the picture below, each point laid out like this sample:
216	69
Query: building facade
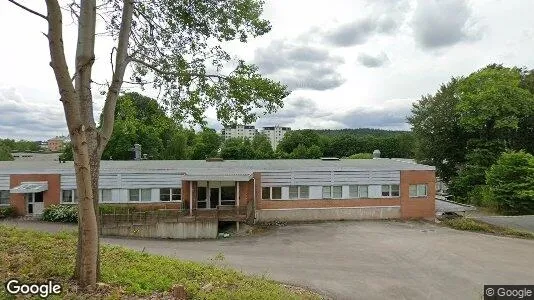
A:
239	131
257	190
56	144
275	134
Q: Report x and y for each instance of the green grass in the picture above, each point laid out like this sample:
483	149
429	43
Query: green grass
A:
468	224
36	256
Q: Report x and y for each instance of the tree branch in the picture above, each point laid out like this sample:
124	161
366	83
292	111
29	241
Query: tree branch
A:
121	62
28	9
170	73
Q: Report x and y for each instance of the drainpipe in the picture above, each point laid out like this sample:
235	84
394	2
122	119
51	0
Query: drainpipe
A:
254	202
190	198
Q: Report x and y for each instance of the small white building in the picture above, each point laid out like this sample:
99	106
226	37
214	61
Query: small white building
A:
275	134
239	131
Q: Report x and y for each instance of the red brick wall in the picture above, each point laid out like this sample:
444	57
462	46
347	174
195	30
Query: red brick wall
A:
50	197
420	207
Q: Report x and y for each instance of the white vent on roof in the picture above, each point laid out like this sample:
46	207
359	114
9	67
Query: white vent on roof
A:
329	158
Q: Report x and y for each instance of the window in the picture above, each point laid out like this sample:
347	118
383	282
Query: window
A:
304	192
105	195
390	190
358	191
332	192
265	193
137	195
293	192
327	192
169	194
418	190
276	192
202	195
228	195
299	192
69	196
4	197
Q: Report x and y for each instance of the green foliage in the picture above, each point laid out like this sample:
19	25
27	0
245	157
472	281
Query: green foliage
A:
7	212
262	147
206	144
492	101
67	154
361	156
511	183
468	185
20	145
469	224
5	154
36	256
439	139
61	213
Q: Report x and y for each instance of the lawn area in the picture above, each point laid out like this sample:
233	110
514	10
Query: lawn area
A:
469	224
32	256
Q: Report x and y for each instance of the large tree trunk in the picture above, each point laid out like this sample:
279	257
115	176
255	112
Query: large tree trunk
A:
88	142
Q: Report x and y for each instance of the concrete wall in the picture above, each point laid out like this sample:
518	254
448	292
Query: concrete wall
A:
170	230
50	197
328	214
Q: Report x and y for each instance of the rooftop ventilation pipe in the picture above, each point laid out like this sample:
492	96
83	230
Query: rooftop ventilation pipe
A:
376	154
137	151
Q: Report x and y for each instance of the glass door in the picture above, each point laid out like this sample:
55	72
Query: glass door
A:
214	197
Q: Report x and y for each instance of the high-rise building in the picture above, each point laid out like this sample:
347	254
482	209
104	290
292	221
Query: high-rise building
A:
275	134
239	131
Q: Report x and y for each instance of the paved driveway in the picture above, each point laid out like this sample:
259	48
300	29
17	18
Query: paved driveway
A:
518	222
368	259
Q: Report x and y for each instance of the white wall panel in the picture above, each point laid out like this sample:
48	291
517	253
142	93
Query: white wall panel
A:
4	182
116	195
375	191
150	180
155	195
312	178
275	178
285	192
68	182
345	192
316	192
366	177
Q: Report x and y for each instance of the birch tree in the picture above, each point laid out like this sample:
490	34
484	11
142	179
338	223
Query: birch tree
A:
176	47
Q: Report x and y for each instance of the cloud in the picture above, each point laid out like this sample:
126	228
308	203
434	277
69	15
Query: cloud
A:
442	23
373	61
385	17
300	66
300	113
22	118
390	116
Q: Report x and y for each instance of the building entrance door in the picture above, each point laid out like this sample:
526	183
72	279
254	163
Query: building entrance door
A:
214	197
34	203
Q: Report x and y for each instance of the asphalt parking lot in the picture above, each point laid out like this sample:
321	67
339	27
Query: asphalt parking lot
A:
362	260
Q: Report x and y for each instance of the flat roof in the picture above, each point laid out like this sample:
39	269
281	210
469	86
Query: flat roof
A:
214	167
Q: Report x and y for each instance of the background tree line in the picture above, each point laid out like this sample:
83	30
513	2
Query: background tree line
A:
140	119
477	130
10	145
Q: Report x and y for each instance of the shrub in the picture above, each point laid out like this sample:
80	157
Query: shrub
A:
61	213
511	183
119	209
7	212
361	156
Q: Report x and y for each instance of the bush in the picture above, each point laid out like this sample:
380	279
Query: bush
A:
118	209
7	212
511	183
361	156
61	213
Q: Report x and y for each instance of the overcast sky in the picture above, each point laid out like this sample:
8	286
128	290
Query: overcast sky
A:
349	63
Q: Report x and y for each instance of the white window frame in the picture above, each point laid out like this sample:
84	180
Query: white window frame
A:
140	195
417	190
299	192
358	189
4	192
271	192
171	194
101	192
331	191
73	197
390	190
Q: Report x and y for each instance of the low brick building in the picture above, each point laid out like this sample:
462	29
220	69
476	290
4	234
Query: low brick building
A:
258	190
